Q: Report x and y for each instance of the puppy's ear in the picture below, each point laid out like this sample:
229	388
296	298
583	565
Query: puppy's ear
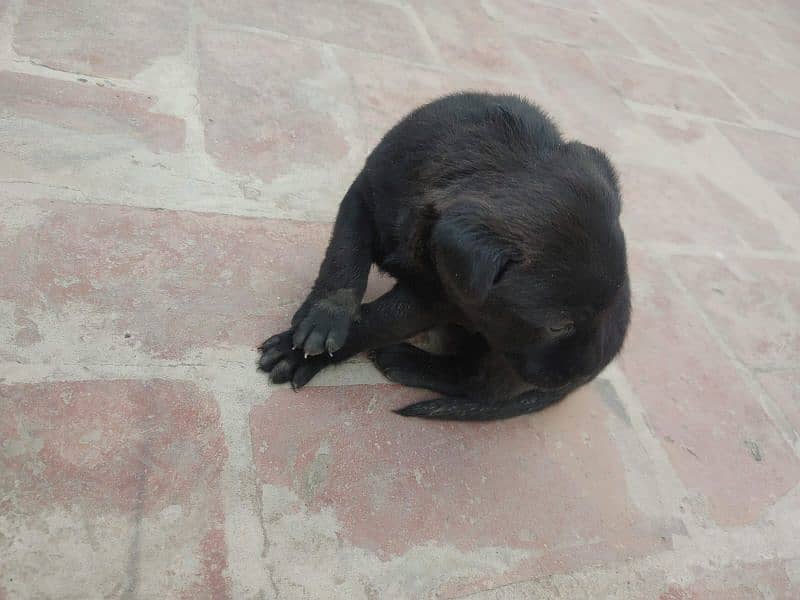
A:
468	257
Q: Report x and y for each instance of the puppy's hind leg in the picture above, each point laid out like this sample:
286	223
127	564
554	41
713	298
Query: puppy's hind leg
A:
322	323
408	365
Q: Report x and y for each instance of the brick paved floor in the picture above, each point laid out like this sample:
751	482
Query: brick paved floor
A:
168	173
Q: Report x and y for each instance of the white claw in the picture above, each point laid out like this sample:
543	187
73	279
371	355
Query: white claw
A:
305	355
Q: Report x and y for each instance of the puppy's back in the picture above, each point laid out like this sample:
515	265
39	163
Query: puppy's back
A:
460	135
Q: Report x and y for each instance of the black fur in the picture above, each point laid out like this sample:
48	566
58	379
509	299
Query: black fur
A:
490	222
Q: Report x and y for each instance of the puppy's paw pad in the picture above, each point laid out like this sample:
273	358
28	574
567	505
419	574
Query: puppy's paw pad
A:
272	342
286	364
277	350
283	370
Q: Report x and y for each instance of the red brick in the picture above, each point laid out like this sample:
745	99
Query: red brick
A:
648	84
719	440
87	109
563	78
792	196
725	30
784	388
753	32
110	445
635	20
584	28
359	24
98	38
680	133
679	206
116	457
269	117
754	305
466	38
783	39
584	5
759	581
696	150
553	483
777	11
772	155
214	582
774	30
704	10
382	101
770	90
175	281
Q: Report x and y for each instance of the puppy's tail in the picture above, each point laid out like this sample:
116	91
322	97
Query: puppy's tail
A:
466	409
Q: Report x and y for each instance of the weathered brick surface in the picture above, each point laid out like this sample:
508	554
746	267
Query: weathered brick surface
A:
467	39
679	207
652	85
756	581
127	471
637	21
587	27
563	77
715	29
80	109
525	484
792	196
718	438
100	38
784	388
770	89
86	277
93	443
382	101
263	117
770	154
361	24
753	304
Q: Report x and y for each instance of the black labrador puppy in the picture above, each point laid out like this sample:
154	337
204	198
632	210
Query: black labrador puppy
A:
493	226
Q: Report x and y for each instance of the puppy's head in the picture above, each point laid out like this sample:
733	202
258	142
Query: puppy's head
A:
536	259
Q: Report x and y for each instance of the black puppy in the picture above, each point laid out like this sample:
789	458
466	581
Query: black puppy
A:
493	225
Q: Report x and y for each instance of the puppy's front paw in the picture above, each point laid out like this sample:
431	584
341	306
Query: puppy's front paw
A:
326	323
284	363
278	358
